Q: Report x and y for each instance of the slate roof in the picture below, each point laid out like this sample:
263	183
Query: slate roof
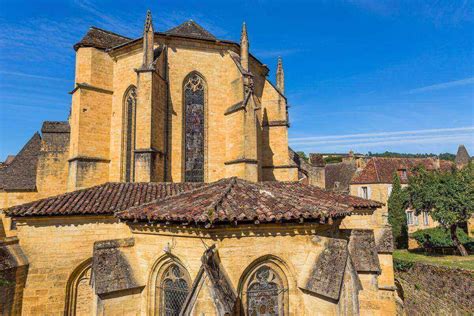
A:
380	170
339	172
55	127
363	250
191	29
462	156
101	39
20	173
103	199
233	200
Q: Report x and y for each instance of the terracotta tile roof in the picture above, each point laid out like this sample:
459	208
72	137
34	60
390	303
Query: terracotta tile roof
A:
103	199
191	29
381	170
235	200
20	173
101	39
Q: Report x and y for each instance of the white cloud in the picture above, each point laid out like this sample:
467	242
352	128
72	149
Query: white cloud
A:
444	85
381	134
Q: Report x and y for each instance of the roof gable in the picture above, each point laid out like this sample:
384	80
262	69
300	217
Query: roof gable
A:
20	173
462	156
191	29
101	39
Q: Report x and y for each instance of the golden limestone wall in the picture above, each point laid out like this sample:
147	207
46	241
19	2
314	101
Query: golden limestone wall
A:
219	71
90	119
55	262
53	259
52	170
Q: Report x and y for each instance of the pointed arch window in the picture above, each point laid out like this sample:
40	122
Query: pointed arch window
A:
130	105
174	288
194	89
79	292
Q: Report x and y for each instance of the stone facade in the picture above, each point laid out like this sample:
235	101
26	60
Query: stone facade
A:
104	234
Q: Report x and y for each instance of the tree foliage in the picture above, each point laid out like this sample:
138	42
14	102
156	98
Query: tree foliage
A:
447	196
302	155
397	204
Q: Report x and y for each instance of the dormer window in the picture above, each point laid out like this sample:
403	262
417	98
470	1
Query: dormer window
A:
402	173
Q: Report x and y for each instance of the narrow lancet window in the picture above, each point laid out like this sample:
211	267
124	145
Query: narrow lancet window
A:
194	129
130	102
174	289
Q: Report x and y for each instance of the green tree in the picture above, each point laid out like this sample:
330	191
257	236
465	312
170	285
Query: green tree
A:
397	204
447	196
302	155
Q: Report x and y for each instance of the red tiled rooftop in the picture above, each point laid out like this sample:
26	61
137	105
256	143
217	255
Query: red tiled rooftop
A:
381	170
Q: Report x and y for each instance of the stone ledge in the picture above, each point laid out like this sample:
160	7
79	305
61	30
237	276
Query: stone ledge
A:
241	160
88	159
86	86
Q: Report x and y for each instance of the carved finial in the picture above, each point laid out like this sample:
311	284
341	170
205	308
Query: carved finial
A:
280	76
148	21
244	48
148	38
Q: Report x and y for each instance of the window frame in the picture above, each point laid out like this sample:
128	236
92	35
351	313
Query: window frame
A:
410	218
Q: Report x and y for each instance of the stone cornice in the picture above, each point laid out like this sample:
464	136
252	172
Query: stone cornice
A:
86	86
88	159
241	160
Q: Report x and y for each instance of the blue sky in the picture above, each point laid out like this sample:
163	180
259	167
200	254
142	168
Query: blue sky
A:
366	75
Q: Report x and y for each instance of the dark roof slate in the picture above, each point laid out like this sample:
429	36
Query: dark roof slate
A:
103	199
55	127
338	176
381	170
233	200
101	39
363	251
462	156
191	29
111	270
328	270
20	173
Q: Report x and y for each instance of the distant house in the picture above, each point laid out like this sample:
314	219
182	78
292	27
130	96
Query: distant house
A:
374	181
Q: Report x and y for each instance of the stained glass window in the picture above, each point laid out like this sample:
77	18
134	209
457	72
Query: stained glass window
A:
194	129
174	289
129	132
264	293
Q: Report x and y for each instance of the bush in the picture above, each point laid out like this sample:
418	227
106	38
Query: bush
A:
439	237
402	265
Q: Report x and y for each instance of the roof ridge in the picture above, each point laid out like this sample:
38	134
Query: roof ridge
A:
109	32
220	198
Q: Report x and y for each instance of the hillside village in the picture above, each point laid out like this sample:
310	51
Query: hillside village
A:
171	189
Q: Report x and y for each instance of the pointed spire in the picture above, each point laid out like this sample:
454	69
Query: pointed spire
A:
280	76
244	48
462	157
148	37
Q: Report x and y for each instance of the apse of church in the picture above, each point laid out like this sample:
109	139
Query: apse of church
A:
175	106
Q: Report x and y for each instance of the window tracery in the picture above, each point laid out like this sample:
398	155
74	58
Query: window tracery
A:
174	290
265	293
130	103
194	129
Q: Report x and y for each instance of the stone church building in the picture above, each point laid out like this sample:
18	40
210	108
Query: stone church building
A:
171	190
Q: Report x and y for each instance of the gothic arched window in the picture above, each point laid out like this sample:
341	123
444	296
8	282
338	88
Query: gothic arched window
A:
264	288
79	292
130	104
194	88
174	289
